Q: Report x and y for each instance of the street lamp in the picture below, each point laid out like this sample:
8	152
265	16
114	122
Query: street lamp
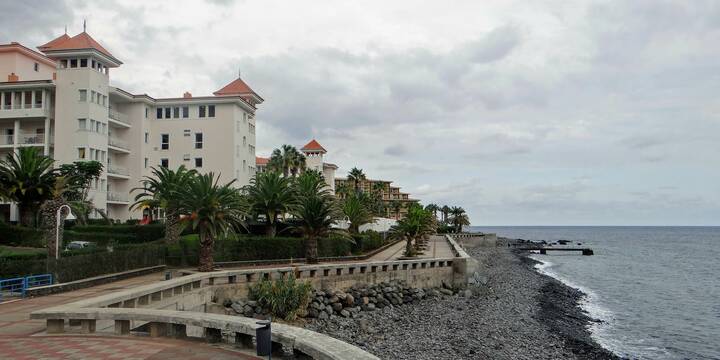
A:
70	216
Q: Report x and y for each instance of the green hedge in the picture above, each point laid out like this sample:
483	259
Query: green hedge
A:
244	248
12	235
84	263
129	233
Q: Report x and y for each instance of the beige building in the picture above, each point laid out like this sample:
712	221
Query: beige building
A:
60	99
390	194
314	159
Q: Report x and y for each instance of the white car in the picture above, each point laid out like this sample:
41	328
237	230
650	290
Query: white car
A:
74	245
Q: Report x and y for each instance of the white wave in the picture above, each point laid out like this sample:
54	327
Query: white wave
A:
590	303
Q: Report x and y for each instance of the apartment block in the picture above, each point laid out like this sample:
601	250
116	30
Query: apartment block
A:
389	194
60	99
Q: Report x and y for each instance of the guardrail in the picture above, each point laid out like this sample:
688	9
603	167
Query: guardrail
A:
19	286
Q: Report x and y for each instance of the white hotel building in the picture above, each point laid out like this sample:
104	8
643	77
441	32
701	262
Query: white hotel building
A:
60	100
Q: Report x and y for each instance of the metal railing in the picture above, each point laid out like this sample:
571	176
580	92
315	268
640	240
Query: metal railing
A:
18	286
20	106
7	140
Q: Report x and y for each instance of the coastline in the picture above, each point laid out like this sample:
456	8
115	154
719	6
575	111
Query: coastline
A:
514	312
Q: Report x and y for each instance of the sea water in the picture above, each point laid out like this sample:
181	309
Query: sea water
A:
656	289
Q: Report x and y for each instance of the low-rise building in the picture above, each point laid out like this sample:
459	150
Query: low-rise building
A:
314	159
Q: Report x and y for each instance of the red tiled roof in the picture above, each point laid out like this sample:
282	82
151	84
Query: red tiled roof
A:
261	160
313	145
80	41
237	87
53	42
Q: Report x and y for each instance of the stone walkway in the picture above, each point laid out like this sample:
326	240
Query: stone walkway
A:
93	347
438	247
22	338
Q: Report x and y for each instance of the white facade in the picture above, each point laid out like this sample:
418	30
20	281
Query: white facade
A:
67	107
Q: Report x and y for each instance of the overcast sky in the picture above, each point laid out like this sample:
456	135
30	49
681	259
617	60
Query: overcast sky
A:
522	112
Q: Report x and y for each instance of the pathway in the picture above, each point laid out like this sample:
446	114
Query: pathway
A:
438	247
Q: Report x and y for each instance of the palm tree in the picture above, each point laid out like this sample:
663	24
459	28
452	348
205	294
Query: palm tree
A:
161	191
315	213
445	211
459	218
27	178
271	195
357	211
49	213
396	207
287	160
417	223
213	209
433	208
343	190
311	182
356	176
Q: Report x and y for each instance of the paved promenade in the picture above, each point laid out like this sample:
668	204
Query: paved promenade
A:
438	247
22	338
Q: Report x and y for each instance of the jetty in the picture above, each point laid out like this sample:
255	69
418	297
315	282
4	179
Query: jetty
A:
544	250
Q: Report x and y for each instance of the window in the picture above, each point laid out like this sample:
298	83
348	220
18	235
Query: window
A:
201	111
63	64
186	111
146	163
211	110
237	126
92	96
82	124
244	165
92	63
83	94
167	113
164	163
73	63
251	128
165	141
36	67
198	140
244	141
198	162
186	132
38	98
81	153
92	125
176	112
83	63
159	113
251	150
146	112
147	137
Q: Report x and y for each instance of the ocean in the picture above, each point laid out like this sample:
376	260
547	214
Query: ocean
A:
656	289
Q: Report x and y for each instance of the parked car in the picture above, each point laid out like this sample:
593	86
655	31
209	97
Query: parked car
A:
75	245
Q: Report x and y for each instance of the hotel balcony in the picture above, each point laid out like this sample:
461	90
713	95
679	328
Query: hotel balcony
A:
7	140
119	119
118	198
31	139
117	172
118	145
23	111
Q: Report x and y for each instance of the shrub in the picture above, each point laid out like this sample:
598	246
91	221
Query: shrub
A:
129	233
284	298
13	235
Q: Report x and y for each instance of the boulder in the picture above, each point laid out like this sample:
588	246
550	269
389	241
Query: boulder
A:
349	300
323	316
337	307
238	307
312	313
345	313
252	303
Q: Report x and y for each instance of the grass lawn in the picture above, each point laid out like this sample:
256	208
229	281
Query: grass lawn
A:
6	250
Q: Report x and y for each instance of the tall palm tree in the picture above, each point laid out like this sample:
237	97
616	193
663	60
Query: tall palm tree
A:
213	209
271	195
315	213
27	177
160	191
357	176
311	182
459	218
357	211
417	223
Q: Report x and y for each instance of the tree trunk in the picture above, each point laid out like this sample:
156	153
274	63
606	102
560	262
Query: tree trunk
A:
172	228
408	247
48	223
206	251
27	215
311	250
270	230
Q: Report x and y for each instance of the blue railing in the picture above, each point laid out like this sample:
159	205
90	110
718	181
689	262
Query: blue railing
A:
17	286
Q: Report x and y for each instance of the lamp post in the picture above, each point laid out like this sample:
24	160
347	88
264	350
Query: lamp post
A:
70	216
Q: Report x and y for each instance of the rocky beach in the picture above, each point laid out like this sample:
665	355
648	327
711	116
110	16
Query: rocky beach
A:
510	311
